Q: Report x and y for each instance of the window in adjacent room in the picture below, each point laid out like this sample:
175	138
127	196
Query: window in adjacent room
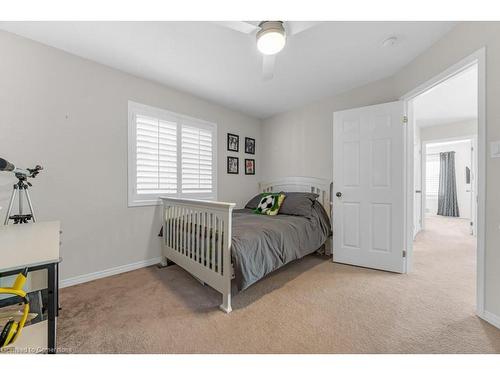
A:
432	175
169	155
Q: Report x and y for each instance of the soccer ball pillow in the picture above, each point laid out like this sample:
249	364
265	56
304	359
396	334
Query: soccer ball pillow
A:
270	203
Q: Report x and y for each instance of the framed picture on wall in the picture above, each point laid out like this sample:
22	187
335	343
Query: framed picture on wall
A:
233	142
232	165
249	145
249	166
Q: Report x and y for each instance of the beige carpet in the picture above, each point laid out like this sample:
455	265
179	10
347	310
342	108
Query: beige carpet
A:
310	306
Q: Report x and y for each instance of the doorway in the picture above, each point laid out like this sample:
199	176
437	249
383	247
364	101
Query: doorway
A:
445	173
464	170
379	203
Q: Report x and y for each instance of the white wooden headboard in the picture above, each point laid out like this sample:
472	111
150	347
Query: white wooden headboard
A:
302	184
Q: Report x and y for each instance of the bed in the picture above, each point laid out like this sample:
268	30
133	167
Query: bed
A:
221	246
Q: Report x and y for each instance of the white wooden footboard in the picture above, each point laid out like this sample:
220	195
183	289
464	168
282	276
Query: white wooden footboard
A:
197	237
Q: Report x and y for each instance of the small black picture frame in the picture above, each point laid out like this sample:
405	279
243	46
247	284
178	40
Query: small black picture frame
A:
233	142
250	166
250	145
233	165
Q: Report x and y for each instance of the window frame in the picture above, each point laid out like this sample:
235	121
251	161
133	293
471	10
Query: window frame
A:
138	200
431	194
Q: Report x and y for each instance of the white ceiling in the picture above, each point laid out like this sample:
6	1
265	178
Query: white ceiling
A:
224	66
454	100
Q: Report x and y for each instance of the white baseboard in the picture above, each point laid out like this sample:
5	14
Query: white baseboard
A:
491	318
109	272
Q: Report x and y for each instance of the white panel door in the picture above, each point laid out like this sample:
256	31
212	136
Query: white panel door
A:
368	201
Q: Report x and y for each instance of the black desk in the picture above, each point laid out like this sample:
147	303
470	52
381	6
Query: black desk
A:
52	268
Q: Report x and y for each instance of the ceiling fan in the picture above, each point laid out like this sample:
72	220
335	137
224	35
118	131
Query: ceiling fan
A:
271	38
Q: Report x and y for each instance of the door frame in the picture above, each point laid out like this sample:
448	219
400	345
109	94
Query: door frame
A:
479	58
423	170
421	226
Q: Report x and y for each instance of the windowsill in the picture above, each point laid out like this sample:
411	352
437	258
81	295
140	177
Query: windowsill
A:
144	203
158	202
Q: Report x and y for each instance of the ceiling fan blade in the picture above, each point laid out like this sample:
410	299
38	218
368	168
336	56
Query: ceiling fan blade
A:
268	67
296	27
241	26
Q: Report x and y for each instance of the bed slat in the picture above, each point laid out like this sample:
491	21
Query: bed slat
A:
219	245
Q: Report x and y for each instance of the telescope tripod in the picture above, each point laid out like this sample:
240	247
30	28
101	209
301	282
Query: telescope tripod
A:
21	186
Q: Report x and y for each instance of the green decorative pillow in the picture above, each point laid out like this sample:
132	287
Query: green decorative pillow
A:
270	203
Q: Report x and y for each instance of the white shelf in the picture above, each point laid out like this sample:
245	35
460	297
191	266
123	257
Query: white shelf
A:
29	245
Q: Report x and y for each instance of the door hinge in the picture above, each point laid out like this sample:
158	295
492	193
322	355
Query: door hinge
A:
404	253
405	120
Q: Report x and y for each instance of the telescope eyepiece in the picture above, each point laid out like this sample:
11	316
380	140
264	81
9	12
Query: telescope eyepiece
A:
35	171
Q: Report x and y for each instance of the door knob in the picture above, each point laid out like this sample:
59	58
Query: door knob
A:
339	194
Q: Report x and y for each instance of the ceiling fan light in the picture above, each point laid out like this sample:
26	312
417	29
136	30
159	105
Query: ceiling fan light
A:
271	43
271	38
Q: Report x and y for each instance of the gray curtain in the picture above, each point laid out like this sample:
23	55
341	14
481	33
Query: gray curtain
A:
447	194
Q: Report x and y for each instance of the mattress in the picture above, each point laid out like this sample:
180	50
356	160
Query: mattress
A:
262	244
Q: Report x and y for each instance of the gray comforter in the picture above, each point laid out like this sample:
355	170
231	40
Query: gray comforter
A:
261	244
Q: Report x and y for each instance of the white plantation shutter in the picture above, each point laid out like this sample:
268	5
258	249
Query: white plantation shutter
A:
197	160
170	155
156	151
432	175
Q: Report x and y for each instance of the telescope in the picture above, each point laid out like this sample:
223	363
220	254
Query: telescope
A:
21	186
6	166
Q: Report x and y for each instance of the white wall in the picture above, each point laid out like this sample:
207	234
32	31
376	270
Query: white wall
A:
313	154
452	130
70	115
462	159
299	142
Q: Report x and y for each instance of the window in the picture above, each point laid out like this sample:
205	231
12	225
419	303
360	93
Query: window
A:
169	155
432	175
